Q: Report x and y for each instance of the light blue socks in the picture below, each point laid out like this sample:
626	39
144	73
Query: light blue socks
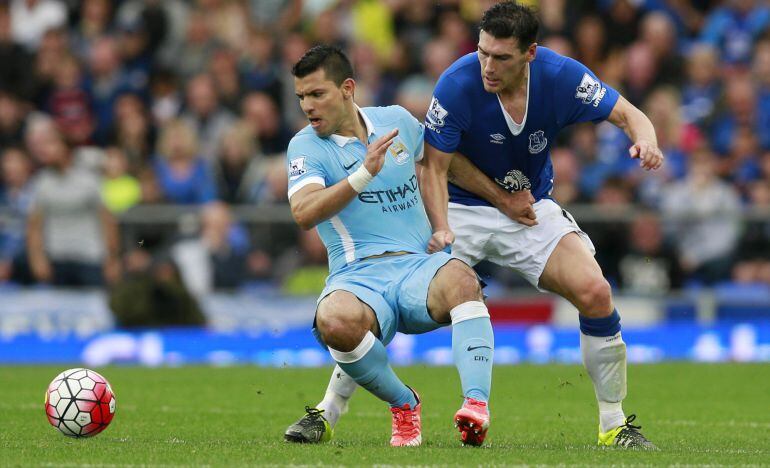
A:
368	366
472	348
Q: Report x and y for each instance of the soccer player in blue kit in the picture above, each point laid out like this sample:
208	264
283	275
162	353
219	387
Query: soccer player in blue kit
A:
352	175
490	125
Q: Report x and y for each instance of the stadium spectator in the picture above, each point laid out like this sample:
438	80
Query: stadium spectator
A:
69	104
649	266
740	110
752	263
566	170
182	174
120	189
95	21
238	170
72	240
217	256
195	51
204	114
700	213
622	21
165	95
734	26
133	132
12	121
613	198
135	55
590	41
702	86
30	19
227	80
303	273
15	72
659	33
153	295
16	197
262	115
258	64
106	81
164	21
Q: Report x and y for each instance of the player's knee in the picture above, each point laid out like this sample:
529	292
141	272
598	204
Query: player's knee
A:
595	298
463	284
341	322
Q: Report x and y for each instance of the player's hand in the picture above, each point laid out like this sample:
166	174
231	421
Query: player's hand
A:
375	153
518	207
440	240
649	155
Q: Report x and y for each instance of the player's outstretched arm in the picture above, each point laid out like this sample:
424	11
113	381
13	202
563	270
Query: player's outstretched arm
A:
640	130
315	203
433	188
516	205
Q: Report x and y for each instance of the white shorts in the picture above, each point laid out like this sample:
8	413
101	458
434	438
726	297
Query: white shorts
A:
484	233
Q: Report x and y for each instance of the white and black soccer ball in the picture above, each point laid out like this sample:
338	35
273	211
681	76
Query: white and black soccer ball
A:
80	403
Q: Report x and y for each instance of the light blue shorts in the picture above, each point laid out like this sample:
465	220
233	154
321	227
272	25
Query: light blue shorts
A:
396	288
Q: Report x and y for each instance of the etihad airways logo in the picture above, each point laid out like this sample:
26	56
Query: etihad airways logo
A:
399	198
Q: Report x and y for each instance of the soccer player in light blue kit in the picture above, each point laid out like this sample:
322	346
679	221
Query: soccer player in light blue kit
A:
352	174
502	108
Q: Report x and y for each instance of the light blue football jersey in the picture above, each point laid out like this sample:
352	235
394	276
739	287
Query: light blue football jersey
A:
389	214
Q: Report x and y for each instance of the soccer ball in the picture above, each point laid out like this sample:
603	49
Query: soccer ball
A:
80	403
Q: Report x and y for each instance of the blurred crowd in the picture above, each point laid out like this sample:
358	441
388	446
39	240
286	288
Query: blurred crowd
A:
106	105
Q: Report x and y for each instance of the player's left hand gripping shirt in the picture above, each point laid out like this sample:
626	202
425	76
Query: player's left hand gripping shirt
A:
389	215
465	118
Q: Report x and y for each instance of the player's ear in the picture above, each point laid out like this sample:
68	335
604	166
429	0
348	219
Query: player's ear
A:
531	51
348	88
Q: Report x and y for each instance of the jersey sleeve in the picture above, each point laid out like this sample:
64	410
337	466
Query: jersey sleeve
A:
304	165
448	116
413	133
581	96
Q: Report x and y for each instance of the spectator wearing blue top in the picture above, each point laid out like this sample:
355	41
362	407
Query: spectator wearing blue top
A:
734	27
702	86
183	176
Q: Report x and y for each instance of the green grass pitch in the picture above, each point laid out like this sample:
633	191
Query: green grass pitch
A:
541	415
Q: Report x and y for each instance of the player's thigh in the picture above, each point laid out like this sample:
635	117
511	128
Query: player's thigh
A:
413	293
471	226
527	250
571	268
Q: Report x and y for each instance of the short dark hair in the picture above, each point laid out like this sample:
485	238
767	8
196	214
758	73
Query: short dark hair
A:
332	59
509	19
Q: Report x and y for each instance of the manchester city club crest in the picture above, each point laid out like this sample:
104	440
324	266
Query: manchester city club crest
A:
399	153
537	142
514	181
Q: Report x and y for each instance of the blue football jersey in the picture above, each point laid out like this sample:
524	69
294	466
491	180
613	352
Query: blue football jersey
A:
465	118
389	214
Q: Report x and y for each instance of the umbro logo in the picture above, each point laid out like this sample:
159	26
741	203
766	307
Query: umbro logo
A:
496	138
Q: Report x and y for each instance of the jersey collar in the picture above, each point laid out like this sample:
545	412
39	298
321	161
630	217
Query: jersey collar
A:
343	140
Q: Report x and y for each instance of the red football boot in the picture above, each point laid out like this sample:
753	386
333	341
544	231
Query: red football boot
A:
472	420
407	425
